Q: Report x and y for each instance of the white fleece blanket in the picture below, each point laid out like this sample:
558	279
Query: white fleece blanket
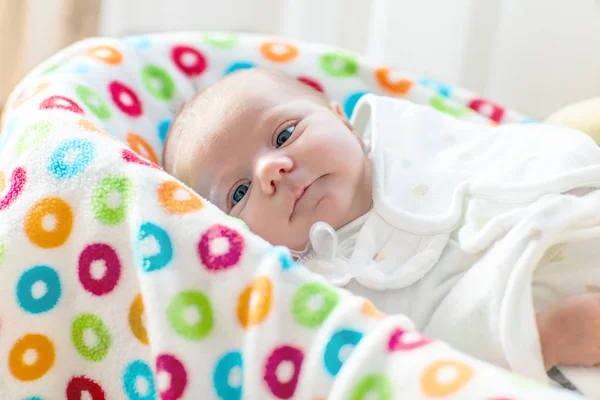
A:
116	281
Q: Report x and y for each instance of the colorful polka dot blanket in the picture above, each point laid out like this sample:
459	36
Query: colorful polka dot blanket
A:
118	282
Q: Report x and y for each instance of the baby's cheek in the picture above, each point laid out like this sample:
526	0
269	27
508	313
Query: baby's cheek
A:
275	231
246	217
327	157
258	221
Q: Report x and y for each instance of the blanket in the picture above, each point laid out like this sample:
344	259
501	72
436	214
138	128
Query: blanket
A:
117	281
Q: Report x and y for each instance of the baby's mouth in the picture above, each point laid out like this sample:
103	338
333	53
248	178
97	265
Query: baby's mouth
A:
301	194
299	197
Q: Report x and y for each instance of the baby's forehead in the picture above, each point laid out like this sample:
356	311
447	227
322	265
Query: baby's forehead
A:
223	115
256	84
211	158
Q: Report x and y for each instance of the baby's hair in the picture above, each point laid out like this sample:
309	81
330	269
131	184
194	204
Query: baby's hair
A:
177	120
186	114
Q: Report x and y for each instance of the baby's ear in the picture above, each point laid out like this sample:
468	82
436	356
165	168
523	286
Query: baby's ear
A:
337	109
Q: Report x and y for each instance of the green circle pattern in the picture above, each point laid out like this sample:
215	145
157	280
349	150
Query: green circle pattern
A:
339	65
379	384
166	89
50	69
80	325
93	101
102	211
33	135
440	104
225	41
176	310
313	318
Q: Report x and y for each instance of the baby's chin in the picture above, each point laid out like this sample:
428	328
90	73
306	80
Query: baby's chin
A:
296	235
298	243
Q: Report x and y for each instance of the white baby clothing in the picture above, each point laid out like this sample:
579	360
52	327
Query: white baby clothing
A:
471	227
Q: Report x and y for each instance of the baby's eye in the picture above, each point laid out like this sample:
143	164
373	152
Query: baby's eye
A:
284	136
240	192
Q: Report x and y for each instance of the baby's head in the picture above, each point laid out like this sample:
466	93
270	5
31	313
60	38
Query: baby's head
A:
273	152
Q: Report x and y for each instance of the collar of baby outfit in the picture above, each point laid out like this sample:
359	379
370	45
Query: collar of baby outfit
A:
428	169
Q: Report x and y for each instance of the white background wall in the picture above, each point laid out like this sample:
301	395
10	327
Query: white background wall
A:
532	55
42	33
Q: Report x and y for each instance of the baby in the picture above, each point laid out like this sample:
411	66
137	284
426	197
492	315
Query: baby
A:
272	152
280	156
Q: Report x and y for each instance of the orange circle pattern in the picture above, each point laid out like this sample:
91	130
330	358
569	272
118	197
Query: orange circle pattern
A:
399	87
106	54
44	349
167	195
431	385
89	126
25	97
270	51
263	289
141	147
369	310
136	311
34	219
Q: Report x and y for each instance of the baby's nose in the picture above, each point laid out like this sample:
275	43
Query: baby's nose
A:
270	170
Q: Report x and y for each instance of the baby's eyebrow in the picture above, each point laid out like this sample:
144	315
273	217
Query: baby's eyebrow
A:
273	116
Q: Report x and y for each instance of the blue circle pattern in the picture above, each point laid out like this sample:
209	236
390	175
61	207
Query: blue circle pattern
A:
63	169
75	68
25	285
442	89
138	369
285	257
6	132
81	68
141	42
164	256
225	365
341	338
351	101
529	121
163	129
236	66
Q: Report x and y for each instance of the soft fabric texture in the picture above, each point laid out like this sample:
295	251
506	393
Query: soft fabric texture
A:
119	282
473	229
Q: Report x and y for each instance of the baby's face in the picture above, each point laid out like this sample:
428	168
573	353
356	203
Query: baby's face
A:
281	161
